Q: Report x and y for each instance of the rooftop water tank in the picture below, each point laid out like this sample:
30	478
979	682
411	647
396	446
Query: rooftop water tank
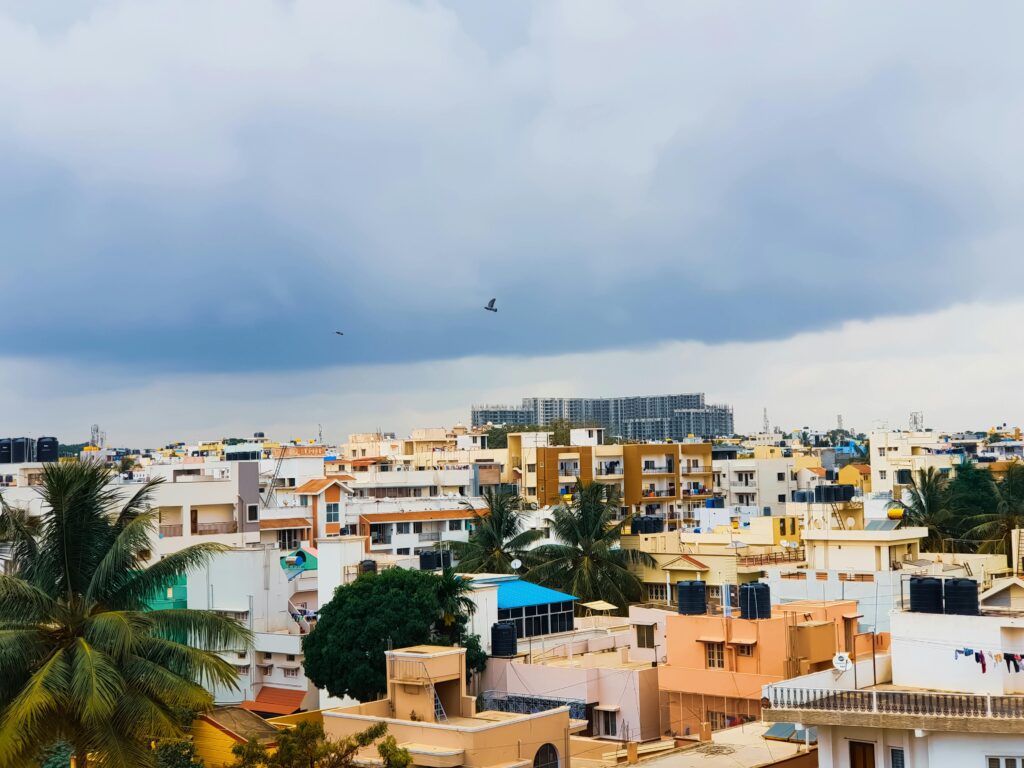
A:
503	639
368	566
692	597
5	450
755	601
47	449
429	560
925	594
962	597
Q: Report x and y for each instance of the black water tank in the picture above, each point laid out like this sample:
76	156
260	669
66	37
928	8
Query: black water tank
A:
429	560
692	597
503	639
445	559
828	494
819	493
47	449
5	450
23	449
368	566
645	523
925	594
755	601
962	597
847	492
657	524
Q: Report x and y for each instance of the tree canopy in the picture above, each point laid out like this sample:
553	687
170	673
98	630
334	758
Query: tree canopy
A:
499	536
392	609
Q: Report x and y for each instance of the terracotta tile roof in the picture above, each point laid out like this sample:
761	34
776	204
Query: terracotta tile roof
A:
315	487
276	701
864	469
366	462
819	471
285	522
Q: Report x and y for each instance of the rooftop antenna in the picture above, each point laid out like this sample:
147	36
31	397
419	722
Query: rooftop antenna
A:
766	427
839	422
320	434
916	421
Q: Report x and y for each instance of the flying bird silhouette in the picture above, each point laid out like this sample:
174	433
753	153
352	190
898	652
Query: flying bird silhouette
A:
339	333
490	306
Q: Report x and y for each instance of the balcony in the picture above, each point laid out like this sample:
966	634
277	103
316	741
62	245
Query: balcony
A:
771	558
666	494
207	529
888	708
170	531
743	484
658	469
380	538
608	470
430	536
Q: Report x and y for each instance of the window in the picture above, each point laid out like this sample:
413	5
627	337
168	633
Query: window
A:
896	758
402	551
531	491
332	512
644	635
252	513
607	723
718	720
714	591
1005	762
268	656
241	654
454	525
714	654
531	467
417	527
881	474
881	451
792	526
303	500
243	670
546	757
401	527
291	672
782	498
290	657
781	477
657	593
782	526
744	650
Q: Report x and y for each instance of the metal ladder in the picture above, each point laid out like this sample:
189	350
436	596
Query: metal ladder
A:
439	713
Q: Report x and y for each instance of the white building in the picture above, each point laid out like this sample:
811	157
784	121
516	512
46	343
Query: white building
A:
755	482
946	697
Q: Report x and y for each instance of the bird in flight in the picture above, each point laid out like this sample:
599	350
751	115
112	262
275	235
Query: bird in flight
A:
490	306
339	333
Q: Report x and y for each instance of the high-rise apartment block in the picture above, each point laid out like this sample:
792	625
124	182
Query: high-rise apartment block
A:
648	417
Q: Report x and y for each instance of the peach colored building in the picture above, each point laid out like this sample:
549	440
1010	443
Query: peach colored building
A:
716	665
428	711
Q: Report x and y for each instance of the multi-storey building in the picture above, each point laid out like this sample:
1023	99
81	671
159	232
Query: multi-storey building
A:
897	456
655	417
950	694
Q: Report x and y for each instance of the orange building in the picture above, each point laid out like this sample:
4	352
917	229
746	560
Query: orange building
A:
717	665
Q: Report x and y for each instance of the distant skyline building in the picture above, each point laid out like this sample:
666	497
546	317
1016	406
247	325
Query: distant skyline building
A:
639	417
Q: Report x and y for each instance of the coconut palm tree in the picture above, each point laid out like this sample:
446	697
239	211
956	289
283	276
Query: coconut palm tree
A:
453	598
588	561
929	507
993	530
498	536
82	659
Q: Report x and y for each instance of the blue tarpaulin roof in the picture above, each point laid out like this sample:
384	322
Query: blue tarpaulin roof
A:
519	594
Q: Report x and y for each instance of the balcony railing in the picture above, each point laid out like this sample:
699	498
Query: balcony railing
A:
205	529
897	702
430	536
659	494
604	471
170	531
380	538
568	470
769	558
743	484
658	469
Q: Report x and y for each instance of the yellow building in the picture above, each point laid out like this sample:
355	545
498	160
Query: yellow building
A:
857	475
429	712
727	555
216	732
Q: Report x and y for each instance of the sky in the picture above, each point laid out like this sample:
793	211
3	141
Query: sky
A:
807	206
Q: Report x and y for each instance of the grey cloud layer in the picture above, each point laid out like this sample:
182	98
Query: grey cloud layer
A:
207	186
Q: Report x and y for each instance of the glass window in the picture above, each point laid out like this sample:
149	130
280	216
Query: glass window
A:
781	477
332	512
896	758
782	498
253	513
402	551
714	655
608	723
744	650
417	527
454	525
401	527
546	757
644	636
303	501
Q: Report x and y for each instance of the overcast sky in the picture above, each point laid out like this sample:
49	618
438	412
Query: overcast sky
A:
809	206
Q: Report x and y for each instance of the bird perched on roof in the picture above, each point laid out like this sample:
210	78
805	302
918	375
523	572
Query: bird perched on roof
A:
490	306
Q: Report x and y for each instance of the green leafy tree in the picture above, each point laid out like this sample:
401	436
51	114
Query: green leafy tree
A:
499	535
588	561
993	529
82	660
453	600
392	755
251	754
929	507
345	651
176	753
972	492
306	746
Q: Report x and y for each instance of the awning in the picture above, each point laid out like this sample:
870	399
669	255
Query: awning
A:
711	639
599	605
743	641
853	615
606	708
276	701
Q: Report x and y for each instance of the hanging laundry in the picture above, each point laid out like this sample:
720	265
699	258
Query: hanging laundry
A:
979	658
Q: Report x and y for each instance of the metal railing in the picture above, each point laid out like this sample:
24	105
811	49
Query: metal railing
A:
659	494
205	529
897	702
768	558
662	469
604	471
170	531
430	536
524	704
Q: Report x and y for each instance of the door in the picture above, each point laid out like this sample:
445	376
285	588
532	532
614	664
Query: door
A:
862	754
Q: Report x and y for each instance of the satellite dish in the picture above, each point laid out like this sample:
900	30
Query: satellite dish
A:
841	661
516	564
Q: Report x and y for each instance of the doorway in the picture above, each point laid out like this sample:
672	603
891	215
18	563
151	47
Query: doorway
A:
862	754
